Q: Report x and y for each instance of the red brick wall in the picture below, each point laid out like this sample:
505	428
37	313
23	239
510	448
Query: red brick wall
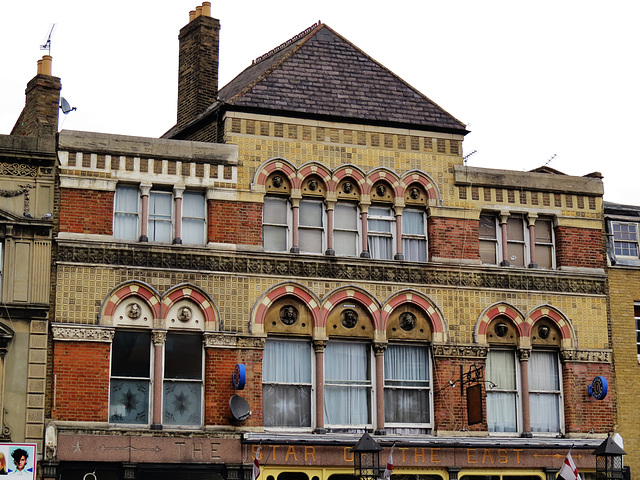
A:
450	408
579	247
453	238
235	222
220	364
86	211
583	413
81	381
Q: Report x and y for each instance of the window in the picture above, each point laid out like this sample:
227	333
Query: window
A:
414	239
182	388
544	392
160	216
502	400
160	209
345	229
488	230
625	239
516	249
193	218
311	226
274	224
380	226
636	314
130	377
406	385
125	217
286	383
347	392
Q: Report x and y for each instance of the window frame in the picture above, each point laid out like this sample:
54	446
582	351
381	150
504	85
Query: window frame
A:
355	232
636	242
274	383
322	228
557	393
496	239
387	386
391	235
117	214
551	244
422	238
516	391
286	226
201	220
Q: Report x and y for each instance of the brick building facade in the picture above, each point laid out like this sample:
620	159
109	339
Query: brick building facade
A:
312	234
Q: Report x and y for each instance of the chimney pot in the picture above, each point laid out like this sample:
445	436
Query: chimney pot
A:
46	65
192	15
39	66
206	9
198	11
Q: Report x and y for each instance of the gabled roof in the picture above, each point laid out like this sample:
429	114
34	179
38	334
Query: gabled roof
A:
320	73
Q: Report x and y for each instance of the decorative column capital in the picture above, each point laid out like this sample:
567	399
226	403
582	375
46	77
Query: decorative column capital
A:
379	348
319	346
159	337
524	354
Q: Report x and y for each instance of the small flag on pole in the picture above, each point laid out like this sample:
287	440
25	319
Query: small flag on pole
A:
389	470
569	470
256	465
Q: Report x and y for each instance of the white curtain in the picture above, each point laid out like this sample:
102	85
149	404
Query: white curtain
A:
544	392
160	204
347	392
380	238
502	399
125	225
193	218
274	219
310	226
286	383
345	229
406	380
414	241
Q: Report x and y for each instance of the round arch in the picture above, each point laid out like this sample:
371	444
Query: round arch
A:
433	313
496	310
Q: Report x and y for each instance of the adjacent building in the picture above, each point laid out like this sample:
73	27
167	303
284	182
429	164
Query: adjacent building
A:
305	256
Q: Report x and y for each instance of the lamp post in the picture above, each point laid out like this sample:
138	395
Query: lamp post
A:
366	458
609	460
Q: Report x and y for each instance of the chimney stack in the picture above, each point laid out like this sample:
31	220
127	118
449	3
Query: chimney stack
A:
198	64
39	116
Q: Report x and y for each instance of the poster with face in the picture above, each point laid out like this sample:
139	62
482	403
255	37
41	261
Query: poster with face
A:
18	460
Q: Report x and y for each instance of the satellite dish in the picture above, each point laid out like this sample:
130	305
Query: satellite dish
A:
64	105
239	408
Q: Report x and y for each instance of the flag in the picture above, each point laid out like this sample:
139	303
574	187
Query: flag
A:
389	470
569	470
256	465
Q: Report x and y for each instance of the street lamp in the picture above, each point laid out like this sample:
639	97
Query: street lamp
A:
366	458
609	460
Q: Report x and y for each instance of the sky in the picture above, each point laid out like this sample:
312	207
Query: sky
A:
545	82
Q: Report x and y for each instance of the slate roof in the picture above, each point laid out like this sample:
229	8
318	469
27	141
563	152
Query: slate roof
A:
320	73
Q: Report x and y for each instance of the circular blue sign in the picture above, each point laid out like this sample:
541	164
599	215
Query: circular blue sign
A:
598	388
239	376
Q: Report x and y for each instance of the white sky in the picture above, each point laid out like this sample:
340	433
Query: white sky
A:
531	79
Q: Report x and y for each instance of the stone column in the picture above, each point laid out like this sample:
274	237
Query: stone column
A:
177	234
295	210
523	355
158	337
399	254
365	231
531	224
503	228
144	220
330	250
319	347
379	349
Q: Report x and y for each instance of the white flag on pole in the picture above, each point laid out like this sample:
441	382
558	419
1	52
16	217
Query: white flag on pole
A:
569	470
256	465
389	470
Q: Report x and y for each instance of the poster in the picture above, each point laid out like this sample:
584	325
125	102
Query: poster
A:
17	460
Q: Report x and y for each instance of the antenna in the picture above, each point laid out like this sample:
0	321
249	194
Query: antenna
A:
464	159
47	43
549	161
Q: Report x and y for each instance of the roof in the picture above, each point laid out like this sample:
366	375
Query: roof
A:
319	74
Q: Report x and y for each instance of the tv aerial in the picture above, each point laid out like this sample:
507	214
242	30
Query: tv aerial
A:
47	43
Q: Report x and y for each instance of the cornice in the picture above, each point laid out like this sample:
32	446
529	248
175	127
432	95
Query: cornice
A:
82	333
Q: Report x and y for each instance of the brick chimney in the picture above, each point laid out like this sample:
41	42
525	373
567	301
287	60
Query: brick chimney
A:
198	64
39	116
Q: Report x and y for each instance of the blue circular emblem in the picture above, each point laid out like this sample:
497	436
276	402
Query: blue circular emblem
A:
598	388
239	376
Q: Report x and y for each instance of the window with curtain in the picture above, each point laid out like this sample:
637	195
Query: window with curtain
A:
130	377
193	218
545	254
160	215
516	241
488	231
381	228
502	406
544	392
414	238
274	224
347	384
286	383
406	384
345	229
311	226
182	387
125	215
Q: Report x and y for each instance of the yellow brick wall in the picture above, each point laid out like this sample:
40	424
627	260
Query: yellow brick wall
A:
81	291
624	290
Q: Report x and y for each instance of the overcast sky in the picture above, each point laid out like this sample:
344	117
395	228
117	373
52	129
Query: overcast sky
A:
530	79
